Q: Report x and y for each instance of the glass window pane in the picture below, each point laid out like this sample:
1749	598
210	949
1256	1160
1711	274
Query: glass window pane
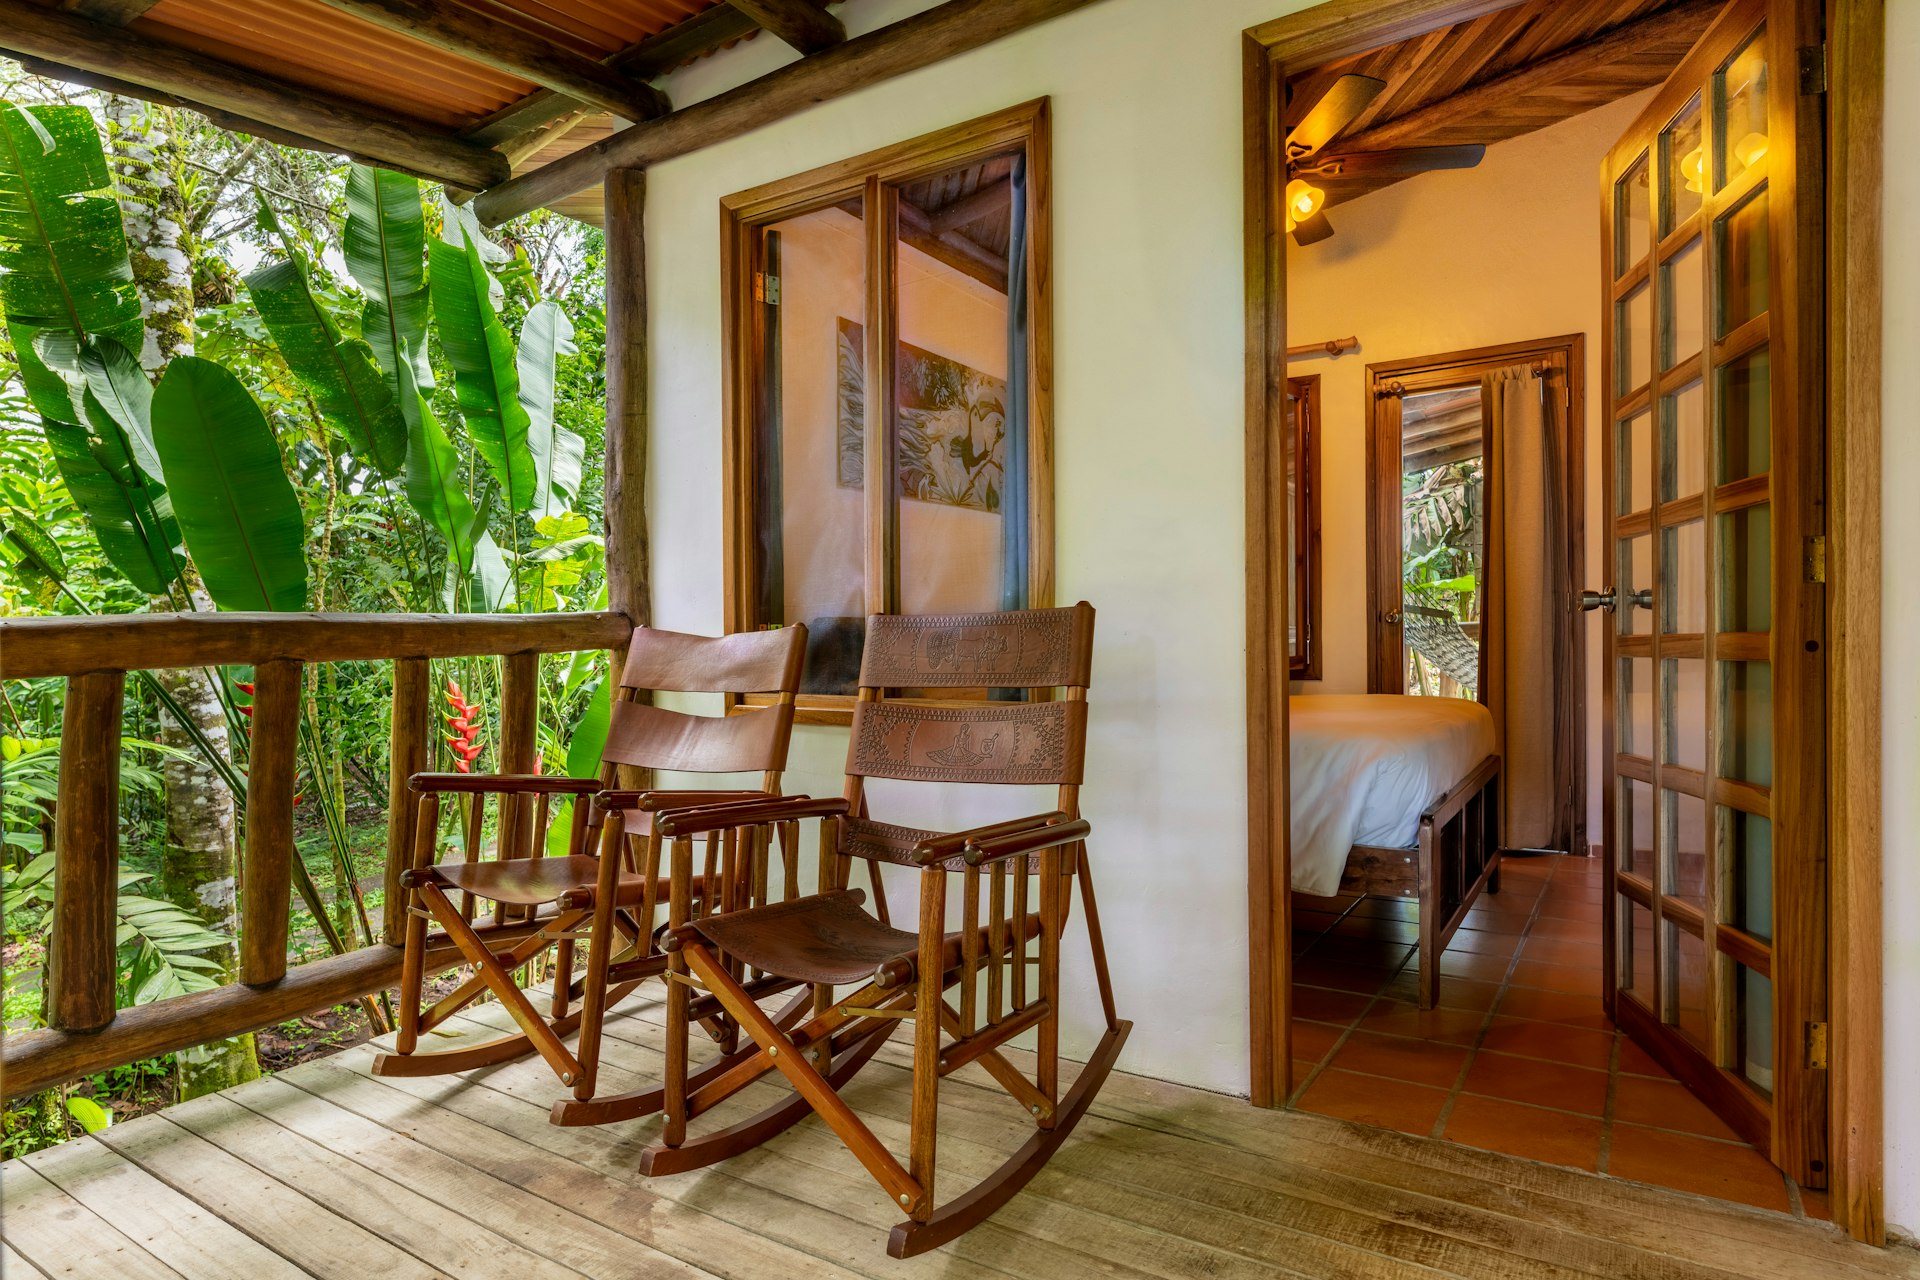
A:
1633	468
1636	951
1746	722
1685	168
1687	956
810	513
1683	442
1633	340
1635	697
1740	102
1746	569
1635	572
1443	485
1753	1036
1632	231
1684	825
1683	578
1748	841
1683	315
1746	414
1636	827
1745	275
1684	712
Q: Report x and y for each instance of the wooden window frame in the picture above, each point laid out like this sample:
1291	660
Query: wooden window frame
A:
875	176
1305	387
1856	41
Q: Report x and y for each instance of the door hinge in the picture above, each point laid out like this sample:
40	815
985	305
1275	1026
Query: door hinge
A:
1813	68
1816	1046
766	288
1817	558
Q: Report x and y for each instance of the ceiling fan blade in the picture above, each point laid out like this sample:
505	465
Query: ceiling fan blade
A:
1338	107
1313	230
1354	164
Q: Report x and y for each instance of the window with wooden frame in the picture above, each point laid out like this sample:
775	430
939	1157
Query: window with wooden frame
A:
1303	517
888	392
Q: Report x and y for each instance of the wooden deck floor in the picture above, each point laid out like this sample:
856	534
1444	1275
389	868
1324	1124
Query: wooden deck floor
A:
326	1171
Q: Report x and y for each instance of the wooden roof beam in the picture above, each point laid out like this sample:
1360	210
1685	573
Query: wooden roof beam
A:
1679	25
952	248
116	13
907	45
984	202
801	23
467	33
29	31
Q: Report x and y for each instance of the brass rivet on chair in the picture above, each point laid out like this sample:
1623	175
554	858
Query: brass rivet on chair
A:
905	1198
773	1051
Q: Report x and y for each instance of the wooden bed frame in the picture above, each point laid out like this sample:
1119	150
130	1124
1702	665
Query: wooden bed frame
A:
1457	856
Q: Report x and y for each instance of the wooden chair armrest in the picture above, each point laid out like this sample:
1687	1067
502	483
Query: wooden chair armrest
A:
524	783
657	801
940	848
980	852
752	813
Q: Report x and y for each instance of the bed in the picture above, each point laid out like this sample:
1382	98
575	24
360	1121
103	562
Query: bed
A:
1396	796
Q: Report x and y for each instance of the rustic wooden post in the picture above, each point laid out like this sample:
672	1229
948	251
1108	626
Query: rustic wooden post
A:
266	877
86	877
519	748
629	556
408	754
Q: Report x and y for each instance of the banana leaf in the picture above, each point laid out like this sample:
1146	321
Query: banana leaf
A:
485	377
353	395
237	511
386	245
433	482
63	251
559	455
115	379
130	515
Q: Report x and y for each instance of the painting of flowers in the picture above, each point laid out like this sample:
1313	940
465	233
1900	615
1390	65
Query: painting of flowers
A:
952	422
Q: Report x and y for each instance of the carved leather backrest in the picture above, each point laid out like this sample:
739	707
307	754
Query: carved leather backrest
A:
747	662
1023	649
673	661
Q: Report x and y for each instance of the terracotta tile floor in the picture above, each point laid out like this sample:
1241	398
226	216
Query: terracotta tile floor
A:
1519	1057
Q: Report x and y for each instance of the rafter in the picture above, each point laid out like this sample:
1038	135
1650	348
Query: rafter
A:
1677	25
968	209
803	24
926	38
510	49
30	31
952	248
116	13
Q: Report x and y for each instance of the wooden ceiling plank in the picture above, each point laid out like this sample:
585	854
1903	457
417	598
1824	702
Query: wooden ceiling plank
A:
951	248
907	45
471	35
30	31
984	202
1486	100
806	26
116	13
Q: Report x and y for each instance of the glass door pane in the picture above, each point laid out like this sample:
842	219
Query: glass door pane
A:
1442	483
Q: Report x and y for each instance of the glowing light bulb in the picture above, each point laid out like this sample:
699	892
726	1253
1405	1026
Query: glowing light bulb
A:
1303	201
1751	149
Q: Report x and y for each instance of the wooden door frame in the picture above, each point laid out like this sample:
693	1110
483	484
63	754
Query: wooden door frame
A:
1856	42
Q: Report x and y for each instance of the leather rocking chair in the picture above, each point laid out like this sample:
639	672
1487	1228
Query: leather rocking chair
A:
611	900
970	989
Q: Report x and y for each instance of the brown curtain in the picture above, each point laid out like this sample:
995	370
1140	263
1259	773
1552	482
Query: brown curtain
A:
1527	679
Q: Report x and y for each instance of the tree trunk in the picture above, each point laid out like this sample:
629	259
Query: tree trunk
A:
198	865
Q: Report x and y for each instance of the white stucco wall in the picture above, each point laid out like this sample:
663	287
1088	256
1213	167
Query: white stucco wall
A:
1148	380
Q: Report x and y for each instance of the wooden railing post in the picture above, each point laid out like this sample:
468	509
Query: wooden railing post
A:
519	748
86	877
407	755
266	877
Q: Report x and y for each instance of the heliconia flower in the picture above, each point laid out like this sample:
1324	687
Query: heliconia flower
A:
453	690
245	711
461	766
243	687
298	796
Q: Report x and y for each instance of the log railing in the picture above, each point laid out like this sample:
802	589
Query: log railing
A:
86	1033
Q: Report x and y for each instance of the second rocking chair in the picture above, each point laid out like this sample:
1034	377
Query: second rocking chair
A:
969	990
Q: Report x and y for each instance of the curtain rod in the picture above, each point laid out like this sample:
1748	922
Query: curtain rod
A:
1331	347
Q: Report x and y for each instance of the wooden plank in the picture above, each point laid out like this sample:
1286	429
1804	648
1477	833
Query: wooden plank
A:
73	646
985	202
61	1236
514	50
456	1243
80	951
168	1225
29	29
12	1264
803	24
408	752
304	1232
266	874
926	38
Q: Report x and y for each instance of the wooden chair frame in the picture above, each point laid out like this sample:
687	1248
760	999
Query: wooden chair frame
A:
609	901
995	863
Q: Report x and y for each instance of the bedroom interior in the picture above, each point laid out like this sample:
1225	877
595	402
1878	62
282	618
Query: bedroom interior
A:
1449	981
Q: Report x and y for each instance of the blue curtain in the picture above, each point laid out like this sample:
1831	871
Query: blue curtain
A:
1015	500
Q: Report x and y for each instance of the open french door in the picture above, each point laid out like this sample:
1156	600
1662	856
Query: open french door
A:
1715	675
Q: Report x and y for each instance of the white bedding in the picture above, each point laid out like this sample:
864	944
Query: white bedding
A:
1363	767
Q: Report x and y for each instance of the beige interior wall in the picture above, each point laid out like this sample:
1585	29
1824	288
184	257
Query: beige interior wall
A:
1508	251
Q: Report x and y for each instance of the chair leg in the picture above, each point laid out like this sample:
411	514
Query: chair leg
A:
412	978
511	997
593	994
562	976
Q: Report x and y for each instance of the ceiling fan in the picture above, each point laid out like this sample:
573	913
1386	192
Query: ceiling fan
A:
1337	108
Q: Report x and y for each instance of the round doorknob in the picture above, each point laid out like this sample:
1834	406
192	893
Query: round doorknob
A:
1591	600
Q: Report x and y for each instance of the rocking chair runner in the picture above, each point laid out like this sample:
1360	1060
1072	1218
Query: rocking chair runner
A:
609	900
828	940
